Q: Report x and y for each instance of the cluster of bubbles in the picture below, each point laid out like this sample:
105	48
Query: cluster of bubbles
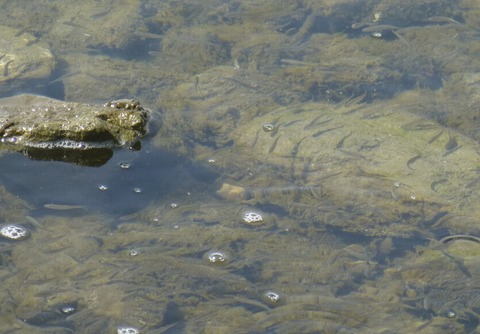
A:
127	330
14	232
69	144
9	140
221	258
252	217
127	104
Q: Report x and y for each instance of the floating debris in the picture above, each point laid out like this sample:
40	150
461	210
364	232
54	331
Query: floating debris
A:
14	232
124	165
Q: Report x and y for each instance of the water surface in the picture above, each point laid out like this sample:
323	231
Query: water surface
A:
349	127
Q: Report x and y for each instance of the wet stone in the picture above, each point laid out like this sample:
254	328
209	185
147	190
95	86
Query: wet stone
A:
30	121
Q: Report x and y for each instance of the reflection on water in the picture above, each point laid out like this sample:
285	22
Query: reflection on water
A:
316	170
111	188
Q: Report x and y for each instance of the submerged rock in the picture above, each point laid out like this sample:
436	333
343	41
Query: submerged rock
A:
376	169
47	126
24	60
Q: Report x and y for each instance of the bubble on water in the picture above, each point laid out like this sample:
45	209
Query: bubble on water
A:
133	252
68	309
272	298
102	187
127	330
69	144
252	217
451	314
9	140
216	257
124	165
14	232
268	127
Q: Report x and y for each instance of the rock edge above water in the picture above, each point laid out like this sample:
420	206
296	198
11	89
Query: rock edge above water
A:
42	122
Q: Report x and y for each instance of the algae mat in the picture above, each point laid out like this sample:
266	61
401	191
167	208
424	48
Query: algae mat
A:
380	164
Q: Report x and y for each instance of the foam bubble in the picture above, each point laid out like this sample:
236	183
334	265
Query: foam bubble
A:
14	232
252	217
272	297
69	144
217	257
127	330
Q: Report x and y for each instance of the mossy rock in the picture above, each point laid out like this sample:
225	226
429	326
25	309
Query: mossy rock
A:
38	121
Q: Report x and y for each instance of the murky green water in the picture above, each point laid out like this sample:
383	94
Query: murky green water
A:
313	168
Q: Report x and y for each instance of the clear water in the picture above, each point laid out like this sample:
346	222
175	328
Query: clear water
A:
298	241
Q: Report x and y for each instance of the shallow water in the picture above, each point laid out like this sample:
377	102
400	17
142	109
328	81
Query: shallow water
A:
315	170
129	181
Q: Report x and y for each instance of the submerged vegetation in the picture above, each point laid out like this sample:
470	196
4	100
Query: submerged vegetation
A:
311	166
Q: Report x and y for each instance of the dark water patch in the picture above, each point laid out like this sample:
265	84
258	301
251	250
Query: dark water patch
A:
399	247
252	272
381	250
349	237
111	188
272	209
56	316
337	91
172	314
307	21
137	50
